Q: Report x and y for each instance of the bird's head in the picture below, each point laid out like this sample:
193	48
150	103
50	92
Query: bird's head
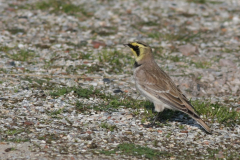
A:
140	50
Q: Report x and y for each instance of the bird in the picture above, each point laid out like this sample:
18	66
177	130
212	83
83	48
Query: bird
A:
153	83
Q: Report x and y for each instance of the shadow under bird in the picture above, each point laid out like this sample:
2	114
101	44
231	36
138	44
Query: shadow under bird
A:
157	86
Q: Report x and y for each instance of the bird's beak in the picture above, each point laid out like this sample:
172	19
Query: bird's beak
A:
126	45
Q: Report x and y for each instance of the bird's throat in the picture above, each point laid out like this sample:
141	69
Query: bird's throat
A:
136	64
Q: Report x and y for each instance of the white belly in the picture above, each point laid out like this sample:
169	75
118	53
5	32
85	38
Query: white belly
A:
159	105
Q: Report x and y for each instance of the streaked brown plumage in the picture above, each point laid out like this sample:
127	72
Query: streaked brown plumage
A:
157	86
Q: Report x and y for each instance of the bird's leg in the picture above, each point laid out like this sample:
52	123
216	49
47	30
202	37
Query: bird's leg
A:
155	118
158	108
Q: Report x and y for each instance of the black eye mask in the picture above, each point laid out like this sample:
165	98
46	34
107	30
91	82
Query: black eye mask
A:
135	48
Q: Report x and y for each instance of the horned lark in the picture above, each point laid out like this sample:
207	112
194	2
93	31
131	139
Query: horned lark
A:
157	86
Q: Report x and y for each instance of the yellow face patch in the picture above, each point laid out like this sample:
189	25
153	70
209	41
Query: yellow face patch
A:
138	50
137	44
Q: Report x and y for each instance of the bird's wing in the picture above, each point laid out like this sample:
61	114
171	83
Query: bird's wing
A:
160	85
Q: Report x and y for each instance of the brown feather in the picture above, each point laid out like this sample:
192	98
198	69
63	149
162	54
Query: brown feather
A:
156	82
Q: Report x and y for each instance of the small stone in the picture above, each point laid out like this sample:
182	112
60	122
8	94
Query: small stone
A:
42	141
129	11
28	123
238	109
159	131
8	149
88	79
188	49
5	99
117	91
107	80
97	44
92	145
206	142
128	133
219	155
227	62
129	116
12	63
94	84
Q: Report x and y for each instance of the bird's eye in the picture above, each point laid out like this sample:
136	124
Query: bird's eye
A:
136	49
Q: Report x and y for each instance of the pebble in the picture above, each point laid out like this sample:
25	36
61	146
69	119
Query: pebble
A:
42	50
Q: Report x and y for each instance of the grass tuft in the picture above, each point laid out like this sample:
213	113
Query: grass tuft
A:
197	1
14	132
108	126
115	59
5	48
22	55
49	138
217	112
79	91
65	6
108	102
131	149
184	37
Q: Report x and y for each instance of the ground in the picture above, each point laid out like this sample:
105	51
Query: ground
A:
66	83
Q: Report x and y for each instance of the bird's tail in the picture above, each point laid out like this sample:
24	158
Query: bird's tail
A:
191	112
203	124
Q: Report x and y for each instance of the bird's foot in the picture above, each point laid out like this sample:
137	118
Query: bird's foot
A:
151	124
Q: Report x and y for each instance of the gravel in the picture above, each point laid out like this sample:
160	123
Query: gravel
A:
42	49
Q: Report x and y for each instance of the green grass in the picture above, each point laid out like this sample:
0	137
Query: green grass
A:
10	149
197	1
205	1
14	132
108	126
197	64
2	70
56	112
181	127
79	91
105	31
60	91
181	36
174	58
16	30
80	106
49	137
4	49
137	151
55	6
131	149
217	113
89	69
117	60
110	102
17	140
201	64
22	55
149	23
81	55
43	83
31	80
